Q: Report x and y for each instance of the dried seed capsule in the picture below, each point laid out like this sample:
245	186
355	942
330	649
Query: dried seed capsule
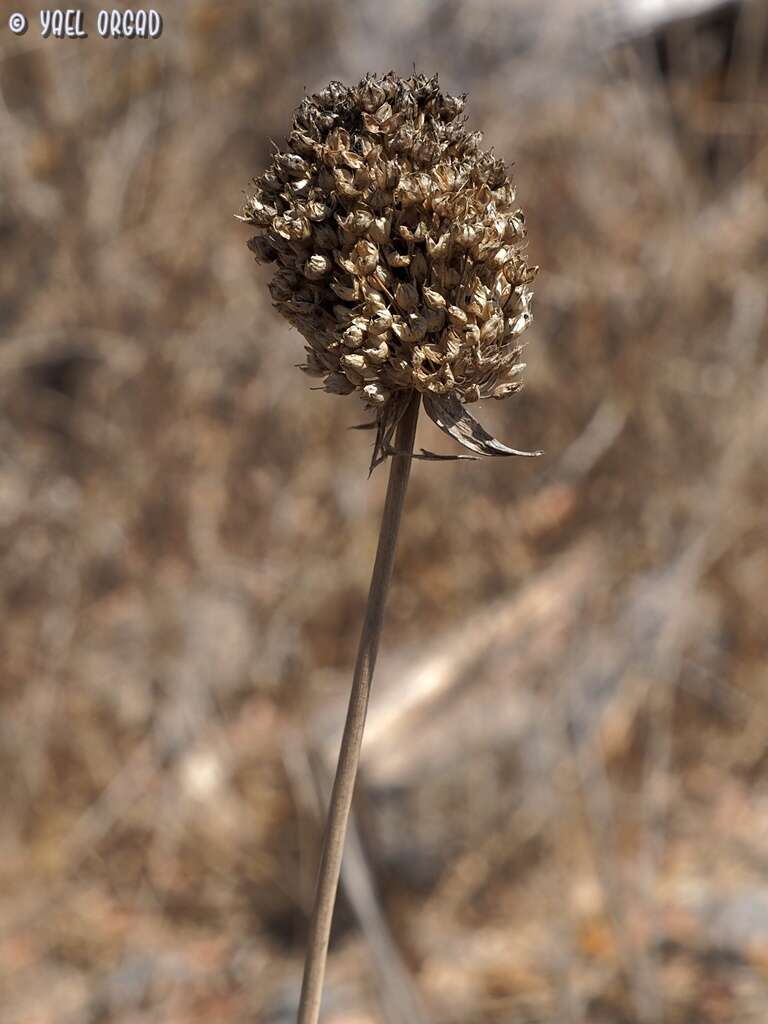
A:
377	355
406	297
371	95
457	316
380	229
353	337
375	394
381	278
260	214
347	289
290	165
374	299
435	320
317	266
263	249
419	268
437	248
356	222
353	361
380	322
292	226
366	257
492	329
433	298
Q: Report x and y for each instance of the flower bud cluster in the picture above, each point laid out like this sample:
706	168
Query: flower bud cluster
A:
398	247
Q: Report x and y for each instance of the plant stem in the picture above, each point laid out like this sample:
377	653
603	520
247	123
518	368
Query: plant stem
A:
352	737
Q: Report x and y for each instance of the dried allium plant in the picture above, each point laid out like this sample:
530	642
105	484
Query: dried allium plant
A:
400	259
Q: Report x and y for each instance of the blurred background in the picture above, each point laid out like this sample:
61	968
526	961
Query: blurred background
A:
563	813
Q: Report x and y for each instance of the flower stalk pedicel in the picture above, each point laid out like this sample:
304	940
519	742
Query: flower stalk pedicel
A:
400	258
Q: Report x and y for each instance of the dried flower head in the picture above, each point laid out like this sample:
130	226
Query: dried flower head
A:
399	252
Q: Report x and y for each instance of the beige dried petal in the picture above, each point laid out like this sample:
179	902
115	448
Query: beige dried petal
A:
502	256
425	150
400	329
351	160
302	143
502	291
505	389
520	324
372	124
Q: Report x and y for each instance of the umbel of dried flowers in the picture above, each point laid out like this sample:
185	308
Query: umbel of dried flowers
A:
399	253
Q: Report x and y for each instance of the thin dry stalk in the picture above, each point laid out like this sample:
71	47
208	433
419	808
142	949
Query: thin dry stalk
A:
352	737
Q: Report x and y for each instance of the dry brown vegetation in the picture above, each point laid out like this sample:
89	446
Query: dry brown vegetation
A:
564	808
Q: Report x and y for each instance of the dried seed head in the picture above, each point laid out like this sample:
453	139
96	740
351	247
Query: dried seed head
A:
399	250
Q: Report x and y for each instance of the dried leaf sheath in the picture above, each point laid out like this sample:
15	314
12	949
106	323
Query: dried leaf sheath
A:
453	419
399	253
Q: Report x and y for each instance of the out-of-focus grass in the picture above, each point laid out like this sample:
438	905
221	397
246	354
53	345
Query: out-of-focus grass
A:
186	530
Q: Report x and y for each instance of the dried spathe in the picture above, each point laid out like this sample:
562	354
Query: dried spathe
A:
399	253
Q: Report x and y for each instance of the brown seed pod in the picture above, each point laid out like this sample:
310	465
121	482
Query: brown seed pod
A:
399	253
